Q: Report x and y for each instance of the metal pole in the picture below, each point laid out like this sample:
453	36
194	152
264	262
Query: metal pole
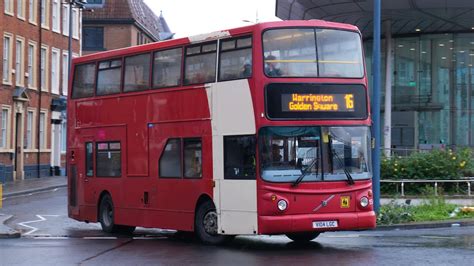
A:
387	130
40	88
376	106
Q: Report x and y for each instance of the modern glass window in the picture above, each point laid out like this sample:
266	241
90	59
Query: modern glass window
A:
7	57
55	70
29	130
89	159
137	72
170	161
42	130
93	38
308	52
192	158
83	84
239	157
19	62
109	77
200	63
235	59
4	132
108	159
167	68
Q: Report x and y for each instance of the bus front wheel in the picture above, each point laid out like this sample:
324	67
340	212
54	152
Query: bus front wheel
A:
206	225
302	237
106	215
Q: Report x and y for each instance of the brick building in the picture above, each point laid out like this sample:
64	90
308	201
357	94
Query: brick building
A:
121	23
34	85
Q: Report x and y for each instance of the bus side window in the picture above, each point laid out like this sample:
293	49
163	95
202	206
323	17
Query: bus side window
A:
239	157
137	73
108	159
167	68
84	77
170	160
109	77
89	159
200	63
235	59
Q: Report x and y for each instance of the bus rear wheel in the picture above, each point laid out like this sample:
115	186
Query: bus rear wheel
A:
206	225
106	215
302	237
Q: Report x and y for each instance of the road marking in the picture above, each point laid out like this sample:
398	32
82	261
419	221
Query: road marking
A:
342	236
439	237
34	229
99	237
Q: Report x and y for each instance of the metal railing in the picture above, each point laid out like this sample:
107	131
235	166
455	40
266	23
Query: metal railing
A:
402	182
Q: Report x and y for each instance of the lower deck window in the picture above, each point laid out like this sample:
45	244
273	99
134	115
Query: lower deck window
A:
108	157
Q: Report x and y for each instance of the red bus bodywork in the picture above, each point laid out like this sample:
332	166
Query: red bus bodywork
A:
143	122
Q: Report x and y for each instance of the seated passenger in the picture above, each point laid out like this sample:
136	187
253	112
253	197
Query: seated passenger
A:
271	68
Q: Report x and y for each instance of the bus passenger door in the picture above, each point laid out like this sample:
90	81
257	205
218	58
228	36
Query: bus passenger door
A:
86	171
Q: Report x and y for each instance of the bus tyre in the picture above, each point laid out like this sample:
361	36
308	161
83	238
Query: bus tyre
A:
125	229
206	225
106	215
302	237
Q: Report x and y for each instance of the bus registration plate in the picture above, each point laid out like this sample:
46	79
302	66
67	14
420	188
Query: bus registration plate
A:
325	224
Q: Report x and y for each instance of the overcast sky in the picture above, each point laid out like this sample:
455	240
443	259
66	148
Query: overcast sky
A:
192	17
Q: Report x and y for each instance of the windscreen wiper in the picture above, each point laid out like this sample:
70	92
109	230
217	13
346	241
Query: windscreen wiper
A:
305	171
350	180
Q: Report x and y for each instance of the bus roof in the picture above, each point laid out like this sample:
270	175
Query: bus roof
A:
211	36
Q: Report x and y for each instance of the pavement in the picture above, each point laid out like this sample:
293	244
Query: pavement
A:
36	185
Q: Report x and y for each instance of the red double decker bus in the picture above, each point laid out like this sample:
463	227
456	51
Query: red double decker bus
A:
262	129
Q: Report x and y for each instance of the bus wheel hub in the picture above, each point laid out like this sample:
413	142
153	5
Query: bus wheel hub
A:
210	223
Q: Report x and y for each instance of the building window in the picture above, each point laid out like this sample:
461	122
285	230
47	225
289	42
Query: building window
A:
7	58
239	157
32	11
44	64
4	130
9	7
63	137
109	77
108	159
29	130
42	129
20	12
75	24
44	14
55	69
93	38
65	19
65	72
167	68
19	62
137	72
31	65
56	16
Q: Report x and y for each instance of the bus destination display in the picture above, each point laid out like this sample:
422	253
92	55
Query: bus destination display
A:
297	102
312	101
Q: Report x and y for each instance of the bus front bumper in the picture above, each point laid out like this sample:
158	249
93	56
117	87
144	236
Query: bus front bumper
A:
312	222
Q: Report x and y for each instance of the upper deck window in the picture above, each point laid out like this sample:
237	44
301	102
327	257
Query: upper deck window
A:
167	68
83	85
309	52
200	65
108	77
137	72
235	59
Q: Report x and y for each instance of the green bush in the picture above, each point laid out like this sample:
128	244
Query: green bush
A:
437	164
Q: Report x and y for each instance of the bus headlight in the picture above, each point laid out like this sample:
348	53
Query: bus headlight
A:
364	202
282	205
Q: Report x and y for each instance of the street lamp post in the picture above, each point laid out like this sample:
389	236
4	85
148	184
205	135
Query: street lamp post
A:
72	4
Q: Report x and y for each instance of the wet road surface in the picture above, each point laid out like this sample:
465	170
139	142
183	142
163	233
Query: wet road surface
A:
50	237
